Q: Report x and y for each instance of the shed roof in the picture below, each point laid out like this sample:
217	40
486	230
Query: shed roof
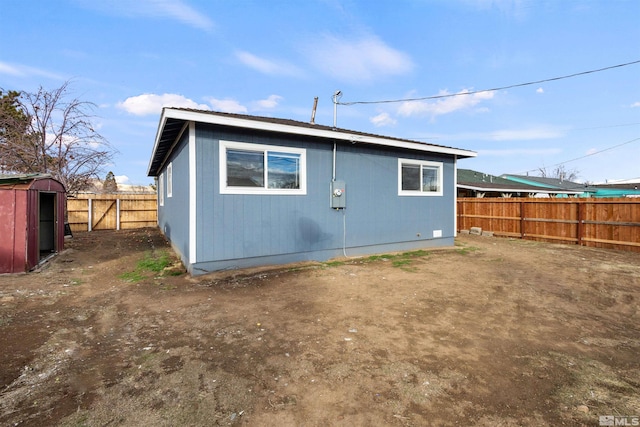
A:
35	181
173	120
9	179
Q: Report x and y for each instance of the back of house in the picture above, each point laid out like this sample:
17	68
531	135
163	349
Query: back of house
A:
237	191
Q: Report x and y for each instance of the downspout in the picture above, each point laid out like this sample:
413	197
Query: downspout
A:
455	195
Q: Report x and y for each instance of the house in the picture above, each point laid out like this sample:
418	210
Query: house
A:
627	188
31	220
237	191
562	185
617	189
478	184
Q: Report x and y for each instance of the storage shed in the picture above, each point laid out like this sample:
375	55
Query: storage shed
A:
237	191
31	220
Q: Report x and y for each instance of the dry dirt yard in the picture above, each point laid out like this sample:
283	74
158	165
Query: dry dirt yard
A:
492	332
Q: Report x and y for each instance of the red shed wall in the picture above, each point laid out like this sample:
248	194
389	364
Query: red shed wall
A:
13	230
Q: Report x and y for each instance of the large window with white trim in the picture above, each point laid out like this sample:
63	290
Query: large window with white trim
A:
419	178
161	189
262	169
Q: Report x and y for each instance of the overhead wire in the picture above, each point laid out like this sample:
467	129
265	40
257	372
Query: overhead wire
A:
588	155
472	92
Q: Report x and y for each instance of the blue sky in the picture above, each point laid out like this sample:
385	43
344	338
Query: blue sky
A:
271	58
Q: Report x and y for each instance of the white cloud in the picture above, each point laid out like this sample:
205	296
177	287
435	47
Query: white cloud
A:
591	151
444	105
121	179
522	134
10	69
177	10
364	59
383	119
517	9
267	66
539	90
525	134
227	106
149	103
635	105
520	152
267	104
19	70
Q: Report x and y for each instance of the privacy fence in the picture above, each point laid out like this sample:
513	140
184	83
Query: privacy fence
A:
604	223
87	212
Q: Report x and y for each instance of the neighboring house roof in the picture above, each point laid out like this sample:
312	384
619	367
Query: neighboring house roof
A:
173	120
618	186
617	190
548	182
483	182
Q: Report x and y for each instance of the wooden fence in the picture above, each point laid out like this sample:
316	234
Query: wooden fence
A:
604	223
87	212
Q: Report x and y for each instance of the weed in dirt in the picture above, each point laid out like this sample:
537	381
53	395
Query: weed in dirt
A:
401	260
132	276
155	262
467	250
334	263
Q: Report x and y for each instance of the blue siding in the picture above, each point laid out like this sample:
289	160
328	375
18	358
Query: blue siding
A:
243	230
173	217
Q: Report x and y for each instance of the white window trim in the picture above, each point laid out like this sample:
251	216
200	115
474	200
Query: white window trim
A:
161	189
224	189
170	179
438	165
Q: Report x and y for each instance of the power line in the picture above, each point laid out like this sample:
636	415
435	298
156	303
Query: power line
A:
590	154
493	89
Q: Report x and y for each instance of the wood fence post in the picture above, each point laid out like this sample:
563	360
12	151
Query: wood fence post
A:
90	215
522	220
118	214
580	227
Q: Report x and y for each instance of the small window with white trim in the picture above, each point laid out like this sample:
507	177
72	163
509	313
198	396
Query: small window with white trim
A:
161	189
262	169
419	178
170	180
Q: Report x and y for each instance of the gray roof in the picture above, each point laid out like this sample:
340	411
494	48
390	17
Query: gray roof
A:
173	121
551	182
480	181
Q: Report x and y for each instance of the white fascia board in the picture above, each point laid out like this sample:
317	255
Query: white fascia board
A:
296	130
163	120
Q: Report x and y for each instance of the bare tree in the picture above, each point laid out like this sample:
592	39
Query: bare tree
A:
559	173
59	138
109	185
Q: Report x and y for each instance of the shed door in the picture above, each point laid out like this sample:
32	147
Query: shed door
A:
47	224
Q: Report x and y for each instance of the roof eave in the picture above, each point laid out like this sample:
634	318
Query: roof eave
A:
295	130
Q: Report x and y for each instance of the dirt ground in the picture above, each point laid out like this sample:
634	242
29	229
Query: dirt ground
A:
492	332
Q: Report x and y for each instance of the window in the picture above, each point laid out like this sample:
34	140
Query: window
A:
261	169
419	178
161	189
170	180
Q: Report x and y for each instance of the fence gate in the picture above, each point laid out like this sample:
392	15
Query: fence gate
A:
111	211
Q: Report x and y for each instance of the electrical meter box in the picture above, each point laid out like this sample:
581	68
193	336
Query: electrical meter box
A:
338	195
